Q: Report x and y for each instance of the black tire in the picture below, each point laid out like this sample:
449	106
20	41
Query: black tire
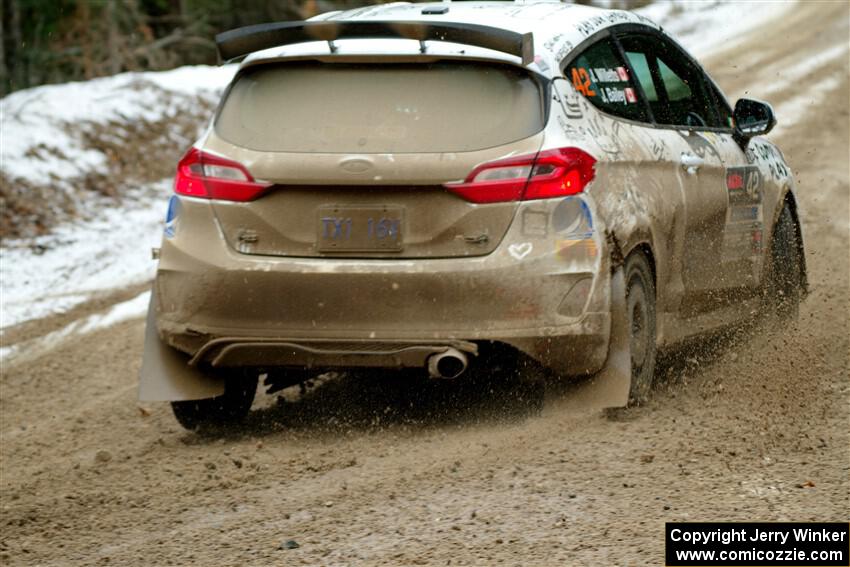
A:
640	307
784	289
227	409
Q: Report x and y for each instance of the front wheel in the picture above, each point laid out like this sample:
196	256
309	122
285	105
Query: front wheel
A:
229	408
640	309
785	269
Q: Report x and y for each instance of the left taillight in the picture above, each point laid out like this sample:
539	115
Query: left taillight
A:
550	173
201	174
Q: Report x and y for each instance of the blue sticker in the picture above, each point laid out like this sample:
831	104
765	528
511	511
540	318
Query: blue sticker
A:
171	216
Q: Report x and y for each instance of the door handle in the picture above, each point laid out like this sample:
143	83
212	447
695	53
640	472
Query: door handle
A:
690	162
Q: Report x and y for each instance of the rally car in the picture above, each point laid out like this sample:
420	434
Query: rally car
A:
420	185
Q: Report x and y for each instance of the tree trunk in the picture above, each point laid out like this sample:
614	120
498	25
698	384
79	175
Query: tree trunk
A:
19	53
112	38
4	72
83	25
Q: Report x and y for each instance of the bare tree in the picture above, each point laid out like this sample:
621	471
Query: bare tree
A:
4	72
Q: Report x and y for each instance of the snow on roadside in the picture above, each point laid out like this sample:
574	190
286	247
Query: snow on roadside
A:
705	26
78	261
34	118
52	274
118	313
792	111
812	65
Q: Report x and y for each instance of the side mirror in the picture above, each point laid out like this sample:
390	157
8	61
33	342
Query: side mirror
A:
752	118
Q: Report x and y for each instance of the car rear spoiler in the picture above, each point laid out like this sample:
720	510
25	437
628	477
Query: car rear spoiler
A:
237	43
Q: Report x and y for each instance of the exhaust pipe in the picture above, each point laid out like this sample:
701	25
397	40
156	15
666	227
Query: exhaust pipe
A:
448	364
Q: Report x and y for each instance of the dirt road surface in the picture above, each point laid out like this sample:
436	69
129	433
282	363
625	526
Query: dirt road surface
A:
757	428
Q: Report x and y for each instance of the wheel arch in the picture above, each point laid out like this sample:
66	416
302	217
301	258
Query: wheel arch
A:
642	243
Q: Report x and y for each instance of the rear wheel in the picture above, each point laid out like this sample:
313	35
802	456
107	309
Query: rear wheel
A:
229	408
640	308
784	289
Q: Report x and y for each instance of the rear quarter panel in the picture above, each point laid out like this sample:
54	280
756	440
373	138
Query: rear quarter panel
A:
636	202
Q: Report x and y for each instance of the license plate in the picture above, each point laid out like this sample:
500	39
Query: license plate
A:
360	229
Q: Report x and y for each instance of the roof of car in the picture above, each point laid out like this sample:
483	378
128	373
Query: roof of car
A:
557	27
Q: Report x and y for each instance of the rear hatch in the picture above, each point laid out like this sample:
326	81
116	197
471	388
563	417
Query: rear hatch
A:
358	154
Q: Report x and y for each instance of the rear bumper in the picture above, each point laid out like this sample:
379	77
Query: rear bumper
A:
546	294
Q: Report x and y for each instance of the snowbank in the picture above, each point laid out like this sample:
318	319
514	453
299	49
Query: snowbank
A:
36	118
109	246
51	274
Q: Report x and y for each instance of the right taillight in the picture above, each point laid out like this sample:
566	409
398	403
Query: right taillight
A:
202	174
550	173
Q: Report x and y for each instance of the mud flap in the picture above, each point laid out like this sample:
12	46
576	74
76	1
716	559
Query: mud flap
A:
610	387
166	375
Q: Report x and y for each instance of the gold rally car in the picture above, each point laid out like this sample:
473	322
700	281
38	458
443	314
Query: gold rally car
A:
420	185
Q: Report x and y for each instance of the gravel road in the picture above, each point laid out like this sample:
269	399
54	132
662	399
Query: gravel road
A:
755	426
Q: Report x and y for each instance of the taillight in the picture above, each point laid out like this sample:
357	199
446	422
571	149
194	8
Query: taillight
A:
201	174
550	173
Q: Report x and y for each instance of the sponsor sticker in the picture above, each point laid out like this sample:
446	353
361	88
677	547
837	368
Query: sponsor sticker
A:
744	184
571	249
734	181
748	213
756	241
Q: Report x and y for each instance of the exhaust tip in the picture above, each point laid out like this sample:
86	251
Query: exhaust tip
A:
449	364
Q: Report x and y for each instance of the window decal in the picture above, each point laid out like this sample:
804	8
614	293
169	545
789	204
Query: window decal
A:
601	76
581	82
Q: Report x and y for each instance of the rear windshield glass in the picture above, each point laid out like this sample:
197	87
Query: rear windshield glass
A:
380	108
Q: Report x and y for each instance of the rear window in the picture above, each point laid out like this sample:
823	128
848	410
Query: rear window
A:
381	108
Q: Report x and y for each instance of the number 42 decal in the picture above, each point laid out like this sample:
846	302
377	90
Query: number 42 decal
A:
581	82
